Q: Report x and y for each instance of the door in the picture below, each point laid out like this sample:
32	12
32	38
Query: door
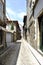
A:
8	37
41	31
1	34
42	38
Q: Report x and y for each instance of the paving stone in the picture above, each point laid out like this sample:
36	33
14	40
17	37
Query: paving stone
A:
25	56
11	57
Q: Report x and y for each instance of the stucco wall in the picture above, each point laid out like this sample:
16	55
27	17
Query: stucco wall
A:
38	8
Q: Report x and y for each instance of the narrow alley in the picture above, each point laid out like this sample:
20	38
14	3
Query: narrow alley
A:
21	32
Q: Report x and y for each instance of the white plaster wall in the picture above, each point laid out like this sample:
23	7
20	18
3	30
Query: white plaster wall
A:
14	28
8	27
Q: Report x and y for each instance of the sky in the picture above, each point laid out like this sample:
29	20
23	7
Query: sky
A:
16	9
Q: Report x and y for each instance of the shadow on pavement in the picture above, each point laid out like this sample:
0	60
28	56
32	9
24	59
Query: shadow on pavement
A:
1	63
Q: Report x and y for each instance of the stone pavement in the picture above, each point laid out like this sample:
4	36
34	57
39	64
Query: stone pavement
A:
12	55
2	50
25	56
19	54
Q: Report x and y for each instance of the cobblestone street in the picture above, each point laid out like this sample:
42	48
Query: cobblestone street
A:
12	54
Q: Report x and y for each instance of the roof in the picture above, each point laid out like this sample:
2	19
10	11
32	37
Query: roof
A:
10	21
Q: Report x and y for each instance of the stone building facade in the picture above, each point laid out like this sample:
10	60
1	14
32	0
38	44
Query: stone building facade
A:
2	12
25	27
30	21
38	16
18	31
35	23
2	22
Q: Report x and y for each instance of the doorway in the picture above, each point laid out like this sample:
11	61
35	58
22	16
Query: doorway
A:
40	21
1	34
